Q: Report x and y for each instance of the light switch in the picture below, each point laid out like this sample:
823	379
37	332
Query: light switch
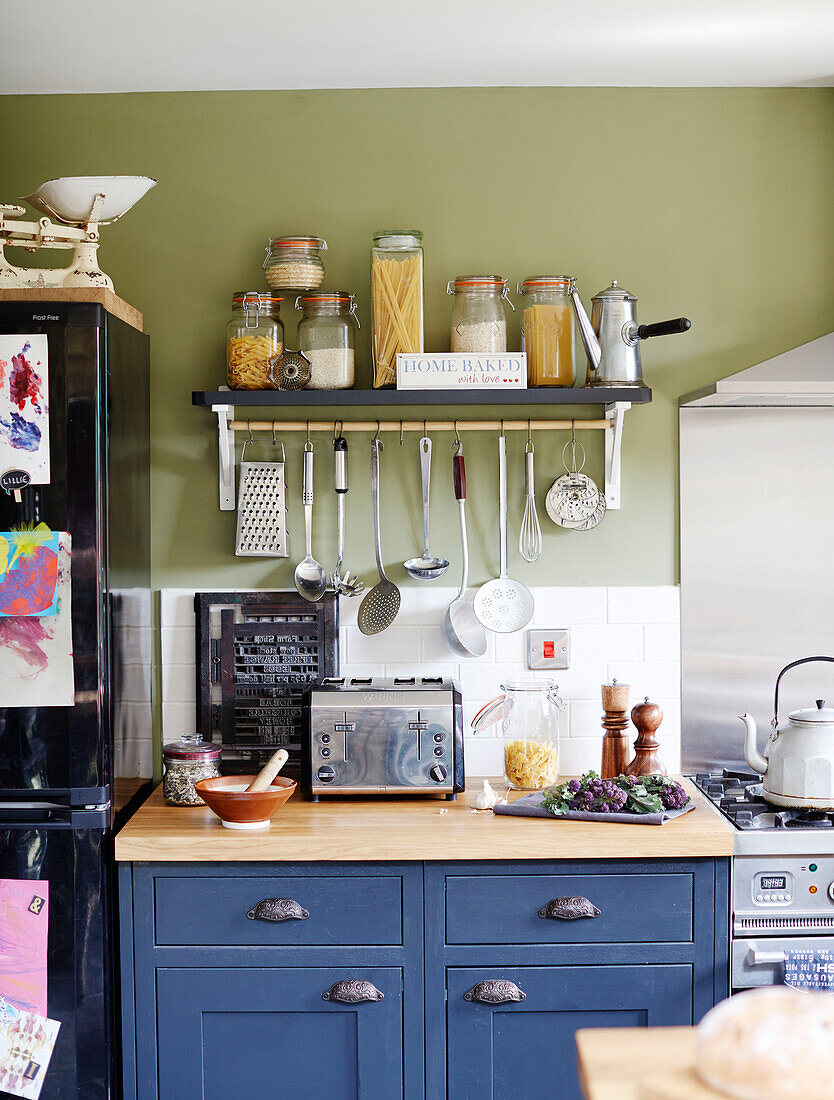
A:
548	648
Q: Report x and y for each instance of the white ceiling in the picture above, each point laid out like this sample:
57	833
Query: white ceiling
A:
178	45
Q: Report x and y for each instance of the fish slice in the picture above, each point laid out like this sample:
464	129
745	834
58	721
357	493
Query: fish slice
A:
464	634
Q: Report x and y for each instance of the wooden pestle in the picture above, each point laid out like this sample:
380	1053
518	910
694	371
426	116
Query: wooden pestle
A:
646	717
268	772
615	747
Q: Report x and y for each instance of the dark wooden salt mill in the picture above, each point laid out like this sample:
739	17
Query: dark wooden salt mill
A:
646	717
615	747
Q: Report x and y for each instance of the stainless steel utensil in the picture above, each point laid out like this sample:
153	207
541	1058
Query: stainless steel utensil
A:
310	577
574	500
380	606
342	583
464	633
503	605
425	568
262	509
530	535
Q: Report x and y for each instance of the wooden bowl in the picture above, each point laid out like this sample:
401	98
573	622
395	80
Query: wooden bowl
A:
226	796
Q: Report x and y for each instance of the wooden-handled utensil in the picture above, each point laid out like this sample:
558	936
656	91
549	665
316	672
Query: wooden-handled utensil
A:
263	780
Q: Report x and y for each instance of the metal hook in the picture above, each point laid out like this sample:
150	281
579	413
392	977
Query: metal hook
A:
425	429
247	441
341	425
376	433
502	426
529	448
307	444
401	433
274	441
458	444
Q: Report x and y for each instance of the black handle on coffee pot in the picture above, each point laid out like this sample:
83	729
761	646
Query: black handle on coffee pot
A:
664	328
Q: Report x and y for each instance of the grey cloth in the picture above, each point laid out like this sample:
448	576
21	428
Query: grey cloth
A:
531	806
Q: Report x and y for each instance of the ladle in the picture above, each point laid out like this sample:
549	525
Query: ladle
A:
425	568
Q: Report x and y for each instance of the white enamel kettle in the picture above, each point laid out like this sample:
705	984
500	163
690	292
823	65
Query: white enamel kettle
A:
798	760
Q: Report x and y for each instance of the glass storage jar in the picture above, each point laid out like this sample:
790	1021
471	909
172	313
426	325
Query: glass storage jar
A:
396	300
254	335
547	329
295	263
479	318
184	763
327	337
529	715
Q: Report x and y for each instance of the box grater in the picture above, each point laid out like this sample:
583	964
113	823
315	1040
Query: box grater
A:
262	509
257	652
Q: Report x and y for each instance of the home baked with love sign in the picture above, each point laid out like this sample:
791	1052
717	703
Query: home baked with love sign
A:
449	370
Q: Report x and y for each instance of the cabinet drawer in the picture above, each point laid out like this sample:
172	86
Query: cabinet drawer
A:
504	909
212	910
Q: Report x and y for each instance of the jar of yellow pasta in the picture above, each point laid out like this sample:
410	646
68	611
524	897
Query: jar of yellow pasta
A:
529	715
254	335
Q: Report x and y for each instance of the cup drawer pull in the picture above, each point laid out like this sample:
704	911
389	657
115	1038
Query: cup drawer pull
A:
352	991
568	909
277	909
495	991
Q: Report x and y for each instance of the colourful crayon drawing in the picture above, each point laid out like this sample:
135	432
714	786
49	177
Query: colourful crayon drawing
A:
24	922
24	408
28	572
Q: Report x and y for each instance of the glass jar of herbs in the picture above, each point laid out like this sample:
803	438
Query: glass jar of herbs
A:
184	763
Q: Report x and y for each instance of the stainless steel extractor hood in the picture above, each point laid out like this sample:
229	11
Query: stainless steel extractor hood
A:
801	377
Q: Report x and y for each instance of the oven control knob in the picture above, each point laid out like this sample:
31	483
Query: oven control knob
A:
438	773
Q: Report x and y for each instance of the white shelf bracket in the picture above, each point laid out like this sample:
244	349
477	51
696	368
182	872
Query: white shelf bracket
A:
226	455
615	415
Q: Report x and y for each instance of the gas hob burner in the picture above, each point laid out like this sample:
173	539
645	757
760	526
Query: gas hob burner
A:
740	797
803	819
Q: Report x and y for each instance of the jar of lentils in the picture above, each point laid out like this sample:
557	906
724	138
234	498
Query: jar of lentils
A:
295	263
185	762
254	335
479	317
327	337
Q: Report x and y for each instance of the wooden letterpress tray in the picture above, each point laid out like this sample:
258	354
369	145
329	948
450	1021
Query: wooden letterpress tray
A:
256	654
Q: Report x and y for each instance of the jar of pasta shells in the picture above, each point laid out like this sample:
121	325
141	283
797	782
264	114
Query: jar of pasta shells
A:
184	763
295	263
529	715
254	335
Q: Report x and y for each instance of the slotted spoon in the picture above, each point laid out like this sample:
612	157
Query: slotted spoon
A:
380	606
503	605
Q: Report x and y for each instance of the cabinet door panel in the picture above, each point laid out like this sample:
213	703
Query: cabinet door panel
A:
518	1049
267	1032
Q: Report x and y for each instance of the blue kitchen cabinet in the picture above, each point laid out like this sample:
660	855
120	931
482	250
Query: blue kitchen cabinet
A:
217	1004
520	1050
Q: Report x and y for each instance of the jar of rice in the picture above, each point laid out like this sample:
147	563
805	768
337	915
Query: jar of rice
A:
327	337
295	263
479	317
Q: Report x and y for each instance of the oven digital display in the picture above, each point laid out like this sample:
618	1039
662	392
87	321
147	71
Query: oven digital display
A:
773	882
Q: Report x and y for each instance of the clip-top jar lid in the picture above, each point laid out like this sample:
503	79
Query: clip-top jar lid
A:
191	746
398	238
479	282
305	244
256	299
546	282
324	298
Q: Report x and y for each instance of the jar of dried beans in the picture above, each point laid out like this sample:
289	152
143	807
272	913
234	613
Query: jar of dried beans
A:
295	263
185	762
327	337
479	318
547	329
254	335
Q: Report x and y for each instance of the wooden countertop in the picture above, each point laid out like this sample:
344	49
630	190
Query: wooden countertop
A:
410	829
637	1063
111	302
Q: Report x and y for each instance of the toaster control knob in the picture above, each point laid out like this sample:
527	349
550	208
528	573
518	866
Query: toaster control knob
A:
325	774
437	772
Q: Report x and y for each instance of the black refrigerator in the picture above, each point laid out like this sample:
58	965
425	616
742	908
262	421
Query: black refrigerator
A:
58	763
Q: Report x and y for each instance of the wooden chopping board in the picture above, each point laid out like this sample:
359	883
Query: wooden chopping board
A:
680	1084
623	1064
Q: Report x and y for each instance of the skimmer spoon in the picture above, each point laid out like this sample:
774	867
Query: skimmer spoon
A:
380	606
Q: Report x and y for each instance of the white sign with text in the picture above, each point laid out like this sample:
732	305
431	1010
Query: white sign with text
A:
455	370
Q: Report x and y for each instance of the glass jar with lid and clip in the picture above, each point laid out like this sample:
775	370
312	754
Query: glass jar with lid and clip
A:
396	300
547	329
295	263
529	715
254	335
479	316
327	337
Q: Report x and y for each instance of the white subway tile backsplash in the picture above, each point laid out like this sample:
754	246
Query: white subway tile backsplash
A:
178	645
483	756
179	683
135	685
134	759
580	754
176	607
585	719
580	681
481	681
657	679
607	643
136	645
660	604
177	719
662	642
559	607
397	643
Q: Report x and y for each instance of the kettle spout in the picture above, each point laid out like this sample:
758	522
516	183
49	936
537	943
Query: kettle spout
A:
586	330
754	758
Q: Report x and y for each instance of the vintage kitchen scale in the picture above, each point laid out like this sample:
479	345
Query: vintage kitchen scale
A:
81	204
257	653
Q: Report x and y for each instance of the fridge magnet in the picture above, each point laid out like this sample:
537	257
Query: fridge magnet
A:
24	406
29	571
26	1046
24	923
36	665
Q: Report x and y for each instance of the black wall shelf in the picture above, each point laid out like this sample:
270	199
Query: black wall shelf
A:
594	395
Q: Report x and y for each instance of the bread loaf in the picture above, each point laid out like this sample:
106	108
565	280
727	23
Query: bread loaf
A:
769	1044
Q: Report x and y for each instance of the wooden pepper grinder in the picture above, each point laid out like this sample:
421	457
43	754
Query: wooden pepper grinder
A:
646	717
615	747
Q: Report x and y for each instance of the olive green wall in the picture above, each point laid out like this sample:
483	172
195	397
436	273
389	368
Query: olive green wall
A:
712	203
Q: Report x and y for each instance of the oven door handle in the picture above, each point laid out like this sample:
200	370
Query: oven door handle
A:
755	957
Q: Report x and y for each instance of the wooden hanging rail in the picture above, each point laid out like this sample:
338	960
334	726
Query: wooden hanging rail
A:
416	425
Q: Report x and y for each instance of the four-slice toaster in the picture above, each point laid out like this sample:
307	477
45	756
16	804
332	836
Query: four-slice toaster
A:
380	736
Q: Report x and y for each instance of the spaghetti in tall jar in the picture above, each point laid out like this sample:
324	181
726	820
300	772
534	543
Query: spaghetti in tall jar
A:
396	300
